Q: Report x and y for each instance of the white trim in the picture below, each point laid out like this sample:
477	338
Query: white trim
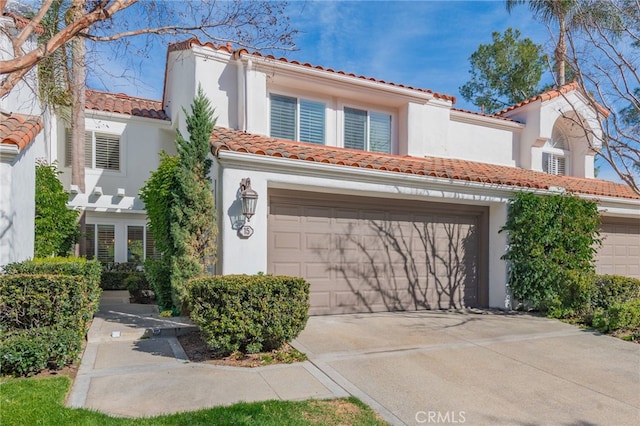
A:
124	118
482	120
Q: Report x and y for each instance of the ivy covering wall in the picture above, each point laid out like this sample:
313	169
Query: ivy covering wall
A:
552	241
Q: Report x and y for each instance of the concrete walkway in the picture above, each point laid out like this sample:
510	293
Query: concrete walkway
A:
134	366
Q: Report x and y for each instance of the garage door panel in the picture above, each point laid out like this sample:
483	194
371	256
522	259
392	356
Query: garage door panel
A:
288	269
369	259
620	250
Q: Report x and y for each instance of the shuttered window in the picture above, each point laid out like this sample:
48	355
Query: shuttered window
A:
101	151
312	121
88	149
367	130
297	119
553	164
151	251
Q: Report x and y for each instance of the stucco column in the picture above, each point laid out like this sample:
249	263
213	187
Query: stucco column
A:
498	295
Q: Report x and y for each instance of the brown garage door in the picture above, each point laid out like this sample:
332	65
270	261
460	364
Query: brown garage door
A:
366	254
620	251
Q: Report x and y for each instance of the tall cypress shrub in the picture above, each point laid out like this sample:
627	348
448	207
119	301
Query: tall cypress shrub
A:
179	202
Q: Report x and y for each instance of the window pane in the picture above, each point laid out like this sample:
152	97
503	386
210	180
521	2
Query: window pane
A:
91	241
88	151
152	252
107	152
553	164
135	241
106	243
355	128
379	132
312	121
283	117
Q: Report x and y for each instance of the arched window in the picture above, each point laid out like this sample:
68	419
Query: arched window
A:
556	152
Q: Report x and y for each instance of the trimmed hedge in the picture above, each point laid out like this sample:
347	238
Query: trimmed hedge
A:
89	270
613	289
45	309
618	316
248	313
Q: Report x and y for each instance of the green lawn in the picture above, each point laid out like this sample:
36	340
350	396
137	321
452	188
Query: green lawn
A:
40	402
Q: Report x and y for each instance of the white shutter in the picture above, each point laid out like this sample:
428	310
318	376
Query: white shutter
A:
355	128
283	117
135	244
88	151
107	152
312	124
379	132
553	164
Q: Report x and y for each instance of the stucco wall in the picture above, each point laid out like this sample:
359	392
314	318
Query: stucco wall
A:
17	205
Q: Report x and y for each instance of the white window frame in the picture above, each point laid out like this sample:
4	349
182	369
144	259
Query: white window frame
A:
299	98
92	166
393	146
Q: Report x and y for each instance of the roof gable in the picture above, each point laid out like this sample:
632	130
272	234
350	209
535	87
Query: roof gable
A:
448	168
18	129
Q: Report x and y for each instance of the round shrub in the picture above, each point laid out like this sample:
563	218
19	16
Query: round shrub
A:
612	289
248	313
618	316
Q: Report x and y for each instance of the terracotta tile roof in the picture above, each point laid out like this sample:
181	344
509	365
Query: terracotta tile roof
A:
124	104
22	22
548	95
19	129
237	141
188	44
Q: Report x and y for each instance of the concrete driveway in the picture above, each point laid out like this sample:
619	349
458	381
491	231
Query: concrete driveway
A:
478	369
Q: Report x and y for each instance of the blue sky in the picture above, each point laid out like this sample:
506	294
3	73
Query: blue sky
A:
423	44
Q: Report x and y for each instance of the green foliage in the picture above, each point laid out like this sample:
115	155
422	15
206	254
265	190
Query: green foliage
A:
179	203
157	273
576	293
618	316
248	313
505	72
45	309
89	270
549	237
29	351
612	289
56	226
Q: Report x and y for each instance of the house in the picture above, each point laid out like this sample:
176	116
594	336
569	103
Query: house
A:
382	196
21	143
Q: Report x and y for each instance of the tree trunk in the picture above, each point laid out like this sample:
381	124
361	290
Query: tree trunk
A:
78	87
561	52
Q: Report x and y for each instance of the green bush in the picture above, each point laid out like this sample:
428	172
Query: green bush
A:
548	238
619	316
31	301
575	295
55	226
27	352
248	313
89	270
157	272
613	289
45	309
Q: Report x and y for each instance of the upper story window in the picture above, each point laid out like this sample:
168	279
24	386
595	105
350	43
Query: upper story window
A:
367	130
297	119
101	151
556	152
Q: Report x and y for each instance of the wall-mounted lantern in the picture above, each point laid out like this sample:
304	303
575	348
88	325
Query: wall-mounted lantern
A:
249	199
